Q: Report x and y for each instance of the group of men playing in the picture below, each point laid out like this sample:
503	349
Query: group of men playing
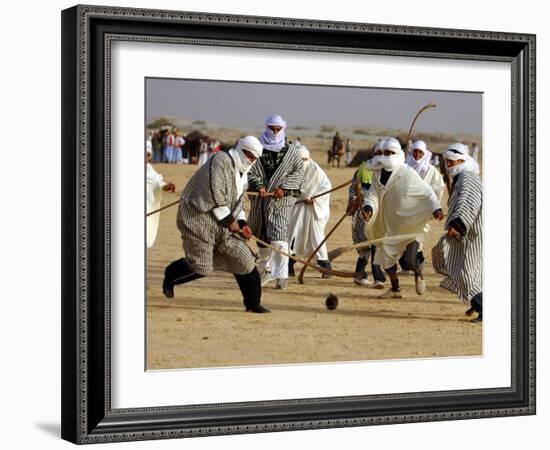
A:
392	198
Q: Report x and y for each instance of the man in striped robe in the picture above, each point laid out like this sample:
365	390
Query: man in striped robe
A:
277	177
458	254
213	227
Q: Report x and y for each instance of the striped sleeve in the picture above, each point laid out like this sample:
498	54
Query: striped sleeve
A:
219	186
255	177
466	199
295	173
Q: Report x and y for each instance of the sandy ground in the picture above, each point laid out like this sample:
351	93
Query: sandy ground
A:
205	324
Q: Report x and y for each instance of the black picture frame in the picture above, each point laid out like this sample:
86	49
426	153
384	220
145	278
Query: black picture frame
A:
87	33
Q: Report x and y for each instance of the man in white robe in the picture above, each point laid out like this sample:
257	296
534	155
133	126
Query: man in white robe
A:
419	158
309	216
403	204
155	186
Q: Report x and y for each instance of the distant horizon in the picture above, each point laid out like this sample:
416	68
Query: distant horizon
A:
246	105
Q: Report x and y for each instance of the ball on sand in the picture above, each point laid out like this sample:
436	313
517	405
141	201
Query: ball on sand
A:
331	302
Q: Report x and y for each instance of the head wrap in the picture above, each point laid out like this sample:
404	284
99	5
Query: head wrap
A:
392	162
423	164
456	152
270	140
249	143
305	155
304	152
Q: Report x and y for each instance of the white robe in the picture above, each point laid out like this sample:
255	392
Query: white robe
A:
403	207
308	222
155	182
434	178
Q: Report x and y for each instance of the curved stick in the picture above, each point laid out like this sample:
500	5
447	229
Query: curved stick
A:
424	108
338	273
301	276
269	194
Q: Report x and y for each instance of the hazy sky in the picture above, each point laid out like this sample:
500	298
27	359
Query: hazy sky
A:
246	105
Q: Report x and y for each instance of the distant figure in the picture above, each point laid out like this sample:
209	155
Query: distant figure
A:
347	152
178	145
336	151
203	152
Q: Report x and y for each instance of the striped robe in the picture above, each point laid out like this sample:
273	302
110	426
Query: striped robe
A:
358	224
207	244
460	259
269	217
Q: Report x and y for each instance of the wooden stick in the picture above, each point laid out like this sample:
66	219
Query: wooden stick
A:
424	108
269	194
333	254
306	263
255	194
301	276
164	207
328	192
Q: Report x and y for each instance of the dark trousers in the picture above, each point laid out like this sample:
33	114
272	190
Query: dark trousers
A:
179	272
363	261
412	259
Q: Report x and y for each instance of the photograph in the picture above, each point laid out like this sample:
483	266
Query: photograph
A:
299	224
320	210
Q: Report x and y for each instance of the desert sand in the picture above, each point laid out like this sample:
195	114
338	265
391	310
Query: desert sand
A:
205	324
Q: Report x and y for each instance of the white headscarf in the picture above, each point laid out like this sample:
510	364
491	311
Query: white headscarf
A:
374	163
392	162
423	164
249	143
304	153
270	140
458	151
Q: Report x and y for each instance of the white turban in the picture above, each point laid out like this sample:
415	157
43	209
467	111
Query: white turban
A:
270	140
304	152
392	162
249	143
392	144
275	120
423	164
456	152
419	145
379	145
252	144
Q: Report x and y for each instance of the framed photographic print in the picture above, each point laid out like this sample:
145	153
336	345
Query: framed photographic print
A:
283	224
